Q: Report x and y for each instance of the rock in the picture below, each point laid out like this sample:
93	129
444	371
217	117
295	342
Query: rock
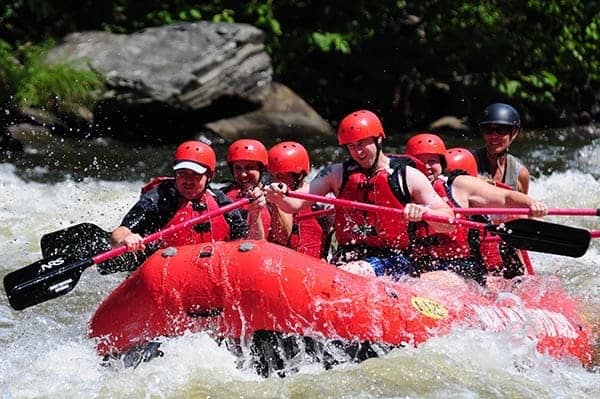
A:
448	122
27	134
187	66
283	116
168	83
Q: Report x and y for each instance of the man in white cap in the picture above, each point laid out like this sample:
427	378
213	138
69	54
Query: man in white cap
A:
169	201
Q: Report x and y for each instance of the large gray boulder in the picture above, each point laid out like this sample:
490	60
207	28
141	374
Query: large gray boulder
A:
282	116
169	82
187	66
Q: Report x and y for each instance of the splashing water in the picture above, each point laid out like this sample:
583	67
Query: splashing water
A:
44	351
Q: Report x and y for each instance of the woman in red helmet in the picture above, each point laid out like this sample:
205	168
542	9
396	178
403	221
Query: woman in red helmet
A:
248	160
173	200
429	149
499	257
289	163
463	250
440	251
370	242
461	159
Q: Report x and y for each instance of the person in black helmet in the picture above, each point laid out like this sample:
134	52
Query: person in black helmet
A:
500	125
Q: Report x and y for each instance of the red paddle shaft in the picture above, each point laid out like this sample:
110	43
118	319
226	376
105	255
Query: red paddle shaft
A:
525	211
378	208
170	230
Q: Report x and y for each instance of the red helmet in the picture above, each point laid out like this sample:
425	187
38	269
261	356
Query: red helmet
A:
247	150
289	157
425	143
461	158
359	125
196	156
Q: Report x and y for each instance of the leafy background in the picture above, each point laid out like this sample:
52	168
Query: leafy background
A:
411	61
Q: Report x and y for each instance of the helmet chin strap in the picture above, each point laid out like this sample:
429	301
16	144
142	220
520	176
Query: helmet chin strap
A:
377	154
298	182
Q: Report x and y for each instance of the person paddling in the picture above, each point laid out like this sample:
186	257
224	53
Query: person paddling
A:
248	160
169	201
462	251
429	149
499	257
289	163
500	125
372	243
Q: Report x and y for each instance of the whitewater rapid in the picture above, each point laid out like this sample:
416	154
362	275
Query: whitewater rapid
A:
44	351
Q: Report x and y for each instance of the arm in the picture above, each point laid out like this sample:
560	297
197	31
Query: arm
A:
327	181
256	228
523	180
426	200
476	193
142	219
281	226
123	236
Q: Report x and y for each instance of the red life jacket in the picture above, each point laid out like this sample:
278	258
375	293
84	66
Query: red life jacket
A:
308	235
491	246
490	252
374	229
214	229
444	246
265	214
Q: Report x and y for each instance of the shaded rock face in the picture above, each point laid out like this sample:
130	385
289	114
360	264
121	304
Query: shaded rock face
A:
282	116
185	66
171	83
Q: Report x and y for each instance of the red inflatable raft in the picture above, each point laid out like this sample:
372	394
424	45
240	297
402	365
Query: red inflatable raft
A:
238	288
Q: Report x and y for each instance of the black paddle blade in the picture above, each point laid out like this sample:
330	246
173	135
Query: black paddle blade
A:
81	240
538	236
86	240
43	280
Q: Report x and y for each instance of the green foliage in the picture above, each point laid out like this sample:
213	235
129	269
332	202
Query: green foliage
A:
331	42
32	82
9	72
339	54
225	15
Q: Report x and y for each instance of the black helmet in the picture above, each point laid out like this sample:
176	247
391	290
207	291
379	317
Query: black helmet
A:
500	114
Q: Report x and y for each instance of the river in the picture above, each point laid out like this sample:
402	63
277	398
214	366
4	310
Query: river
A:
44	351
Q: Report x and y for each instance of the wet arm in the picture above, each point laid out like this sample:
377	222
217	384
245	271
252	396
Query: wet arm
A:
481	194
256	229
327	181
281	226
523	180
423	194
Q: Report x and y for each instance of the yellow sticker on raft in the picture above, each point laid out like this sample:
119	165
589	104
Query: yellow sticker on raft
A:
429	307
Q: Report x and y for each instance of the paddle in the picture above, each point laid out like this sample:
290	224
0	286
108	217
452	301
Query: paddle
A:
595	233
315	214
525	211
528	234
84	240
56	275
79	240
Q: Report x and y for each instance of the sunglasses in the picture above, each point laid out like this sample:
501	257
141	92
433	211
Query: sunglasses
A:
497	129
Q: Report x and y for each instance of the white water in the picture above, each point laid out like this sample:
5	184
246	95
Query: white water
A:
44	352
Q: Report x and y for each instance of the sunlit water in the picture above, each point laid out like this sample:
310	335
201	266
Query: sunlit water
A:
44	351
